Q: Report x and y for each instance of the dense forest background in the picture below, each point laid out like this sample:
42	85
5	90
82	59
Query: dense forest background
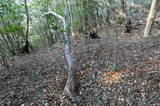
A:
101	52
24	21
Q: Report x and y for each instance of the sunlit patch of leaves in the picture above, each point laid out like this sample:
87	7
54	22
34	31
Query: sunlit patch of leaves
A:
111	76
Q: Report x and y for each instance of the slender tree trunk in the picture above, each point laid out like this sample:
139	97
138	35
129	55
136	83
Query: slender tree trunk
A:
97	19
72	78
70	14
26	47
151	17
71	85
123	6
48	31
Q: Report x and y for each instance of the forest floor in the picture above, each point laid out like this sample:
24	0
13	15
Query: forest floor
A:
38	79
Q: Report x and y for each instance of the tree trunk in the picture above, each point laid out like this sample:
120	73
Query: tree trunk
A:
123	6
25	49
48	31
71	85
72	78
151	17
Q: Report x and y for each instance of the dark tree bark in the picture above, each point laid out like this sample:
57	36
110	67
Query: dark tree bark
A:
25	49
128	26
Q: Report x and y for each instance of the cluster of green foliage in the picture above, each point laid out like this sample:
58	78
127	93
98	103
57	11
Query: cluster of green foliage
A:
47	30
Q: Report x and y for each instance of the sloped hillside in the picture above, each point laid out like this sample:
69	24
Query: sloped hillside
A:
37	79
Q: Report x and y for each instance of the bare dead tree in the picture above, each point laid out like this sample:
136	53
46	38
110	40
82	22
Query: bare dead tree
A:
71	85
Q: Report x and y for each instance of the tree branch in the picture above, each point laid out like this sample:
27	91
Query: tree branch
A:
55	14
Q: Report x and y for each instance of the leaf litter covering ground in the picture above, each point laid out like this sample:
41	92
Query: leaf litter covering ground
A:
38	79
